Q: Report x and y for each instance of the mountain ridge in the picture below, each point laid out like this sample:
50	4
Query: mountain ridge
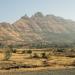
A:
37	29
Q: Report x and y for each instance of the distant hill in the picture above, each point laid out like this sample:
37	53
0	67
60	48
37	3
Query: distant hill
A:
38	31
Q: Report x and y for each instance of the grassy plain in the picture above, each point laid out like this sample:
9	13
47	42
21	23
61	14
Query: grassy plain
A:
26	62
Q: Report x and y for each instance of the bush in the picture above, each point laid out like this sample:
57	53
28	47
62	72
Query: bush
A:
44	55
35	55
29	52
23	51
14	51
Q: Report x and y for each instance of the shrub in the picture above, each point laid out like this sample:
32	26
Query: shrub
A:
35	55
23	51
44	55
14	51
29	52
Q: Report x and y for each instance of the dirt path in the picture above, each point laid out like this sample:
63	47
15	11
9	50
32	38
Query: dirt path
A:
44	72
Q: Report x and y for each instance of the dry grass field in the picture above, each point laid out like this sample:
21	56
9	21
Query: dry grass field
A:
19	61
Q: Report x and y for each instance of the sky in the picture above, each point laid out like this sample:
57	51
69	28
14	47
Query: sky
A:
12	10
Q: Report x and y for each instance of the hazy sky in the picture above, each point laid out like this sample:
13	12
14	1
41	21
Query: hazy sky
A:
11	10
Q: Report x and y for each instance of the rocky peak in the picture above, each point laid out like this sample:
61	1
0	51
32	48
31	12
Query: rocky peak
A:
25	17
38	14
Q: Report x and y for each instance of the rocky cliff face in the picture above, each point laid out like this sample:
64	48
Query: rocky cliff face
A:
38	29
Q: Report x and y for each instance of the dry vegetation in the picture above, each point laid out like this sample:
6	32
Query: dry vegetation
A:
30	60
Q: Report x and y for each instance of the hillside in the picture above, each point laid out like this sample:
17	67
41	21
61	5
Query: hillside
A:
38	30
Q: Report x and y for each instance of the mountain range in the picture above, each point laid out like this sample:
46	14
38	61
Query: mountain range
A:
38	31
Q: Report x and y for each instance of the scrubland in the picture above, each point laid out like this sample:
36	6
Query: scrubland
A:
32	62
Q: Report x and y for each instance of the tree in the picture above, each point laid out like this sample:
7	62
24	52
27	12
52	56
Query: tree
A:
7	52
